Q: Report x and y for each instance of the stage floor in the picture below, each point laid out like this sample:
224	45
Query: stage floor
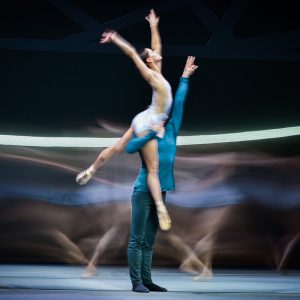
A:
49	282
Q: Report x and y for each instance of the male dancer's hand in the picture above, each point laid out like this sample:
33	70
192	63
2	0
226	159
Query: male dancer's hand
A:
152	18
190	67
158	126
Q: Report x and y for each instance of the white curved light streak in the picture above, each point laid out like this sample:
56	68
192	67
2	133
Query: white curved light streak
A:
81	142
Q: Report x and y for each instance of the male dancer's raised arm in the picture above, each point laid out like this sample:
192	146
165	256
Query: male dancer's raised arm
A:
178	105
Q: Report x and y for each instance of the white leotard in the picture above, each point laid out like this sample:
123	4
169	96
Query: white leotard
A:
149	117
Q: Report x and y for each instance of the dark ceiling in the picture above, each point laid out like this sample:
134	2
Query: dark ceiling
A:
55	77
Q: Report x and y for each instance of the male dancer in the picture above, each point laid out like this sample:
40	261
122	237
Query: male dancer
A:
144	222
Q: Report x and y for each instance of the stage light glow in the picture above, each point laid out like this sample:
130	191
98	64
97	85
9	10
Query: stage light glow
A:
88	142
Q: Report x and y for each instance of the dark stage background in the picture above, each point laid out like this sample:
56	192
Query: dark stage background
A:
57	79
236	204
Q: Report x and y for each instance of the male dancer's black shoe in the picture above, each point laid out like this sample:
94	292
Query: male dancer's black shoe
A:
139	288
155	288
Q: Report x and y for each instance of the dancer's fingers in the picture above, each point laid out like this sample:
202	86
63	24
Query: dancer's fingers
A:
106	37
188	61
191	60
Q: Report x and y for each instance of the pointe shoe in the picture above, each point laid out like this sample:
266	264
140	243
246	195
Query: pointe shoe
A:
85	176
163	218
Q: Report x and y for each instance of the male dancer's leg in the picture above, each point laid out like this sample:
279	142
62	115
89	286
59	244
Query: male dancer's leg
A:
141	203
147	250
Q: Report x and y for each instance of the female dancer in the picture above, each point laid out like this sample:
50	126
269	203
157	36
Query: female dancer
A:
149	65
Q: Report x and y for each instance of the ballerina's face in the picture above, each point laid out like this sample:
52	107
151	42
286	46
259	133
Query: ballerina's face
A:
155	56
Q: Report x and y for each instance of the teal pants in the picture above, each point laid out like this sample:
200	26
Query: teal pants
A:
144	226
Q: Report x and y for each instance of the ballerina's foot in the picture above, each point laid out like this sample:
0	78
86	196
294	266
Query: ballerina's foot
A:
83	177
163	218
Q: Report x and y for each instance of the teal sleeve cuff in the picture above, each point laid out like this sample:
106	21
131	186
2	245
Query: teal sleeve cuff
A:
152	133
135	144
184	79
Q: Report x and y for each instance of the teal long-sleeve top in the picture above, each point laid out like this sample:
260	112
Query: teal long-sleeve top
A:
166	145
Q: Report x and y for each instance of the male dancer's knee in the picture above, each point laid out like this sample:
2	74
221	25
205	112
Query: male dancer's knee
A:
135	242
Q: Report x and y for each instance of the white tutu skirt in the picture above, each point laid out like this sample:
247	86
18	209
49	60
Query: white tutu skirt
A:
146	119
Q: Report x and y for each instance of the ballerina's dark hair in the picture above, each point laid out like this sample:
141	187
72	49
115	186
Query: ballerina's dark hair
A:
144	54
